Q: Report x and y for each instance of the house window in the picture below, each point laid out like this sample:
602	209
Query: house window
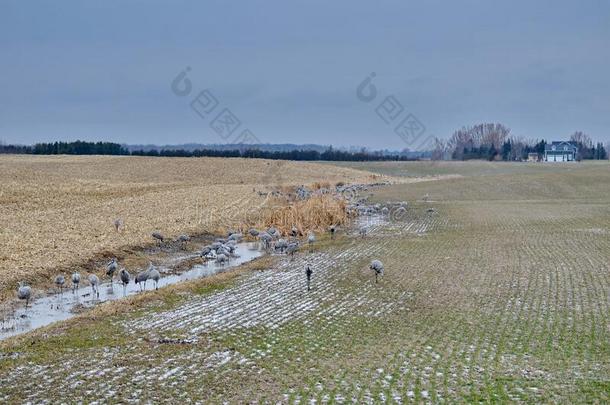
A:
565	148
553	147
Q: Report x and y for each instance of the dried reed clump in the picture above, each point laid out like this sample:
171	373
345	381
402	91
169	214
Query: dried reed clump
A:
319	185
315	213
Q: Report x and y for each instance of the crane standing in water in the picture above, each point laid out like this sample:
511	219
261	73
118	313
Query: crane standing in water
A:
75	281
24	292
125	277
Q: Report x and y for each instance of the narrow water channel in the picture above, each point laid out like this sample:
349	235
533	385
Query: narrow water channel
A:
58	307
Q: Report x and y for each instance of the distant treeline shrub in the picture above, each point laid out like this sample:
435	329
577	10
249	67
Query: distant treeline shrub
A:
302	155
109	148
67	148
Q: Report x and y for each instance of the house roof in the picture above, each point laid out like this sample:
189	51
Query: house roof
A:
558	146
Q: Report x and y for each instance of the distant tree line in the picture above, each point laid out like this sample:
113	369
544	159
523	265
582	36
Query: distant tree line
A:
109	148
300	155
493	141
67	148
483	141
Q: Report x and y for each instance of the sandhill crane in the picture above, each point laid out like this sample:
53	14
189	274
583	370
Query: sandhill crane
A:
308	273
205	252
223	250
311	239
281	245
118	224
125	277
154	275
183	240
253	232
292	248
385	211
275	234
111	267
60	280
142	277
222	258
377	267
94	281
75	281
231	247
294	232
236	237
158	237
24	292
266	238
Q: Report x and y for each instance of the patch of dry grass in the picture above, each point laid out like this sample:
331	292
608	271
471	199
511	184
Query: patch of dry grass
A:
316	213
57	212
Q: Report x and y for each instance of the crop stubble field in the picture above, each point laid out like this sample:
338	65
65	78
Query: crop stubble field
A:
501	294
57	212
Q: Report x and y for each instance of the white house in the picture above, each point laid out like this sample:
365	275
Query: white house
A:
560	151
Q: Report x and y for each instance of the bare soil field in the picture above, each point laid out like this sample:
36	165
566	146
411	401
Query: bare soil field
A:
496	289
57	212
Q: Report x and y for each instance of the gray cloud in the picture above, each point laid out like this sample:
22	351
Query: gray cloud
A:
289	70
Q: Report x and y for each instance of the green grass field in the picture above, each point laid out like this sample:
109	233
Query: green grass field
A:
501	294
469	168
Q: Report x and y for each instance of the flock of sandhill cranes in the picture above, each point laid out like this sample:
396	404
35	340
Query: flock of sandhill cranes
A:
24	291
221	250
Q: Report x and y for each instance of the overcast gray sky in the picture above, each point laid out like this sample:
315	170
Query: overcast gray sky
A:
289	70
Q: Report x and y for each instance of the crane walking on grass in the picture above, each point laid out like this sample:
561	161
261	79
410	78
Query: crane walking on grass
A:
292	248
377	267
183	240
158	237
311	239
308	273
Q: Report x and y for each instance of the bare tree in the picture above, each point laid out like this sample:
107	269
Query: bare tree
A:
439	152
584	144
489	136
